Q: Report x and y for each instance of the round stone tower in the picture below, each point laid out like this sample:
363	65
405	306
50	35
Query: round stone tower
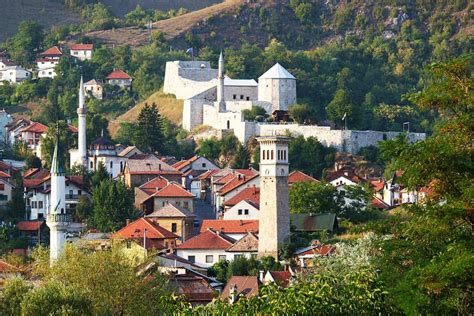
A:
278	87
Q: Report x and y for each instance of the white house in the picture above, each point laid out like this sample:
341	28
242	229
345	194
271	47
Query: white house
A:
11	72
82	51
13	130
244	209
94	88
47	61
206	248
192	168
119	78
103	150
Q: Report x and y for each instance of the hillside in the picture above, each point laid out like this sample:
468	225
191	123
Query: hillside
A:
135	36
168	107
45	12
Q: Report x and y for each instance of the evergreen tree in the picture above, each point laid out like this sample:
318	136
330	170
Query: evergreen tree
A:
149	135
24	46
242	158
340	106
99	175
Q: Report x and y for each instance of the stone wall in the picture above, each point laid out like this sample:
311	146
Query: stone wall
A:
186	79
281	93
240	93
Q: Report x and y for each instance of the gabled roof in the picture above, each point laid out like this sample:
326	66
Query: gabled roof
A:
173	190
208	174
348	174
245	285
282	278
248	243
230	226
251	194
150	166
208	239
128	150
298	176
29	225
5	267
72	128
224	179
4	175
136	230
170	210
277	72
93	82
236	182
118	74
35	127
315	250
313	222
52	51
380	204
184	163
82	47
30	172
155	184
378	184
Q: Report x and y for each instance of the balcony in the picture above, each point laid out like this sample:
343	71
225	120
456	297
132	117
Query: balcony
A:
73	197
59	218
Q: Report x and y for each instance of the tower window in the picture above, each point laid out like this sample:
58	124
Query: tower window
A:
241	97
234	96
248	98
271	154
279	154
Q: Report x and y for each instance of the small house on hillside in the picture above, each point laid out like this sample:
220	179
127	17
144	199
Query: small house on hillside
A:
119	78
176	219
82	51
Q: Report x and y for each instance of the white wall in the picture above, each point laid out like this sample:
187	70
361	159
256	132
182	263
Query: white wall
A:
233	212
200	255
81	54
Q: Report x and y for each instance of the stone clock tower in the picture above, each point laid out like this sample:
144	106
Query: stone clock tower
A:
274	223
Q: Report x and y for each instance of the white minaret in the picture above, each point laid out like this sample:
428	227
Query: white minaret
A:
81	113
57	219
274	223
220	84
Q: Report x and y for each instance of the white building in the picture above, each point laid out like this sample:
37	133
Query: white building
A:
11	72
119	78
94	88
47	62
82	51
103	150
245	210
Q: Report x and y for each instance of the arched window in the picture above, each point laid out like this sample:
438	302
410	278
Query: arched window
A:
263	154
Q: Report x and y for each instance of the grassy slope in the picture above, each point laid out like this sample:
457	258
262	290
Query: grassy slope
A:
45	12
171	27
168	107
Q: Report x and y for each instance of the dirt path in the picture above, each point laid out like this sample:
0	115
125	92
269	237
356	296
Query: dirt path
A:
172	27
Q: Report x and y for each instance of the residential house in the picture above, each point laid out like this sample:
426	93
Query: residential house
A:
13	130
282	278
172	193
47	62
6	189
246	247
82	51
94	88
240	286
11	72
235	229
206	184
244	205
119	78
307	255
175	219
195	287
137	172
236	183
103	150
192	168
344	177
206	248
314	222
149	234
34	231
143	192
129	152
32	134
298	176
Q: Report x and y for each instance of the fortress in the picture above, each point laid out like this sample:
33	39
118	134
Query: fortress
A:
213	99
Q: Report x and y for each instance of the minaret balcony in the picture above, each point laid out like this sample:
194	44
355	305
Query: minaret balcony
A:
59	218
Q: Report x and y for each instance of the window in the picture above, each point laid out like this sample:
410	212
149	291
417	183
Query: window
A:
271	155
237	256
40	204
240	212
209	258
204	165
241	97
92	165
40	215
79	192
111	165
246	212
279	154
174	227
192	259
248	98
71	193
163	203
178	203
186	204
235	96
33	204
222	257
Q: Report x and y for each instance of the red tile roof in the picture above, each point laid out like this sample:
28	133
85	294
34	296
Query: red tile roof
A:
137	228
73	129
346	174
183	163
4	175
82	46
6	267
35	182
52	51
154	184
317	250
36	127
208	174
30	171
225	179
378	203
118	74
378	184
236	182
298	176
230	226
251	194
208	239
173	190
245	285
282	278
29	225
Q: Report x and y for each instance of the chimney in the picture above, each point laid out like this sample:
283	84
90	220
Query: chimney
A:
261	274
127	221
233	294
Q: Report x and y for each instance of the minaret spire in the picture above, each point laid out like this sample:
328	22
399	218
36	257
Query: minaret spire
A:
57	219
81	113
220	84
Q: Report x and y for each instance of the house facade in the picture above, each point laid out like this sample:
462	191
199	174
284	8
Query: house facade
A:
82	51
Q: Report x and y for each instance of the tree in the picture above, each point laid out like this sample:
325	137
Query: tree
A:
32	162
99	175
255	113
126	133
300	149
340	105
428	260
242	158
66	141
149	134
83	209
24	46
209	148
96	126
113	205
13	293
302	113
315	197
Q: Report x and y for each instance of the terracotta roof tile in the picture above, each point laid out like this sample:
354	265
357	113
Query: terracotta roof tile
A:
298	176
245	285
281	278
251	194
225	179
29	225
378	184
208	174
4	175
183	163
155	184
82	47
150	166
173	190
236	182
118	74
36	127
316	250
137	228
378	203
230	226
52	51
208	239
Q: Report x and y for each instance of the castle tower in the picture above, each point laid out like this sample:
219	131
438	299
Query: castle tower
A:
220	84
57	219
81	113
274	224
278	87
